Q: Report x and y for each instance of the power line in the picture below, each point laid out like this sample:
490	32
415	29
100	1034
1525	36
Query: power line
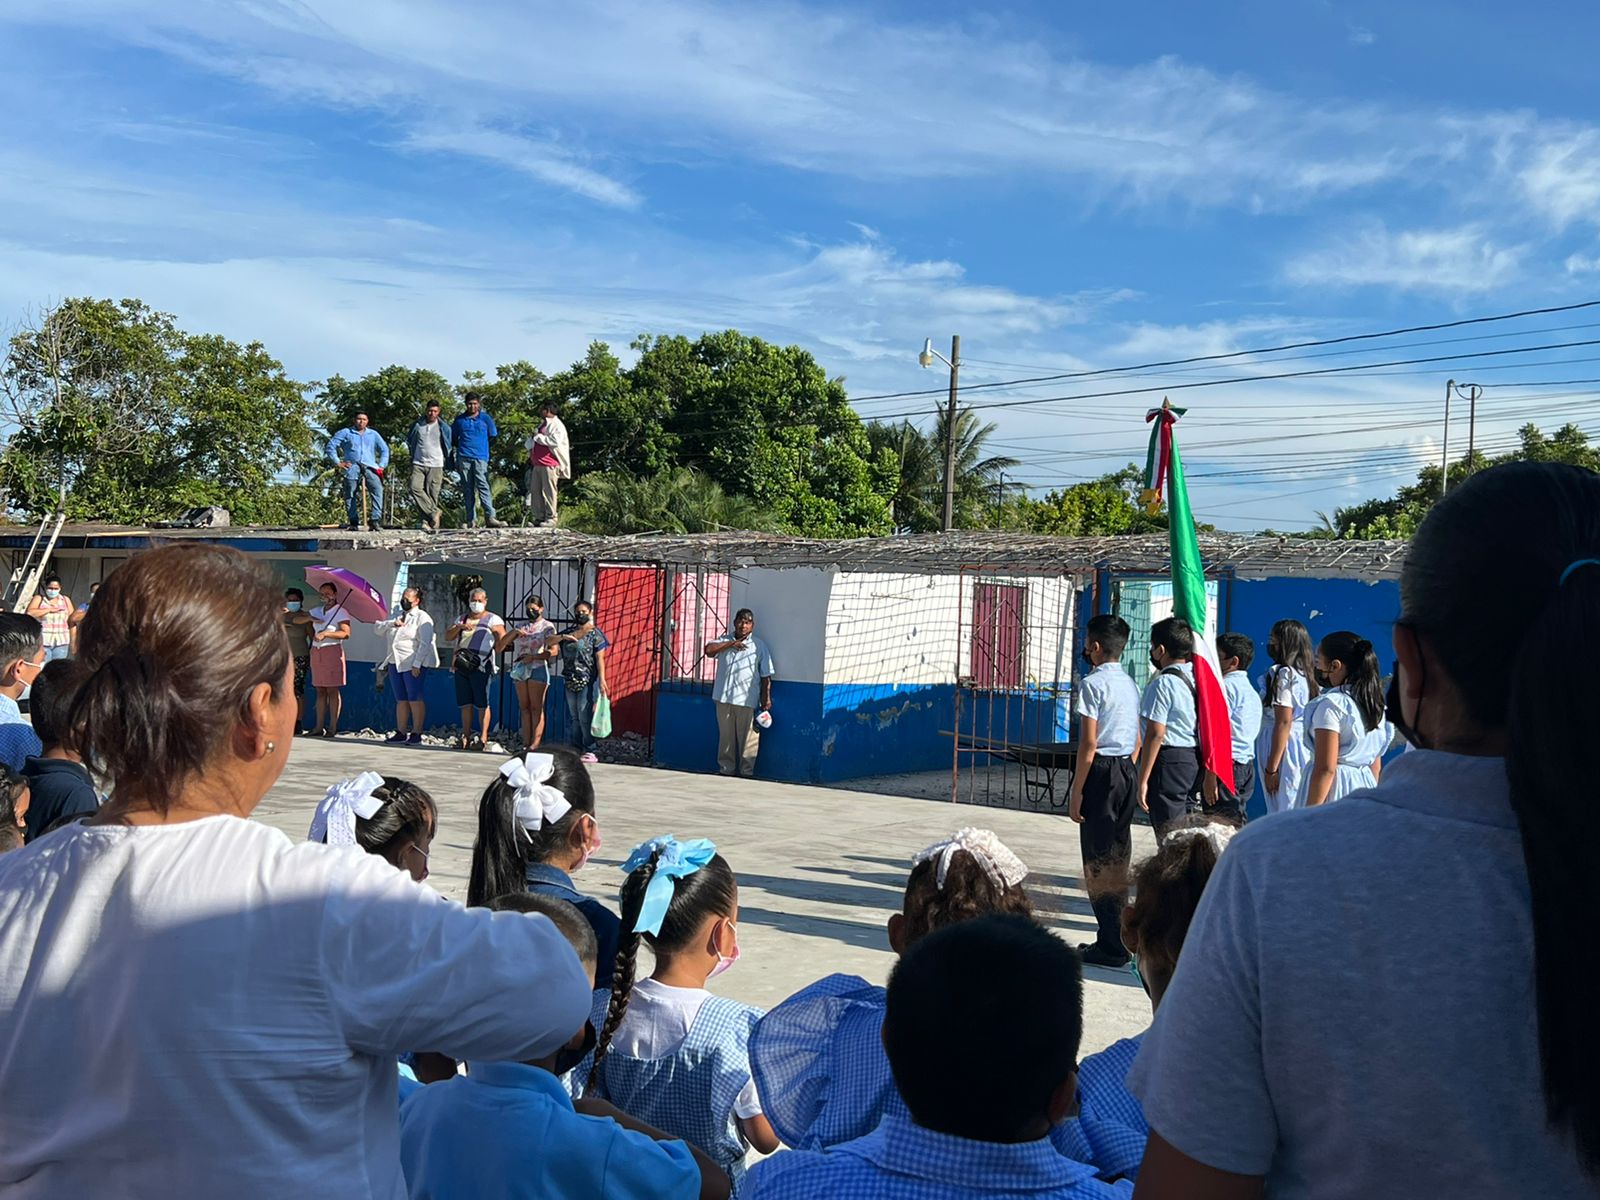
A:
1201	358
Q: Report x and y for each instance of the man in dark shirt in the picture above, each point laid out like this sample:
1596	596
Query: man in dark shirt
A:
57	778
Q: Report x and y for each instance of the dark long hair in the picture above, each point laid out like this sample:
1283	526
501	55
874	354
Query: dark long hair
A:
1363	678
1483	586
407	812
503	849
160	691
711	891
1289	645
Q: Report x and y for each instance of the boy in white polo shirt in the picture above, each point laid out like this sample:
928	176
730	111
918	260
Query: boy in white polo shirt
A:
1104	783
1235	653
1169	762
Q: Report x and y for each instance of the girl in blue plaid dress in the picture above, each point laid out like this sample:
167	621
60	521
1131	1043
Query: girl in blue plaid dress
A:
818	1057
671	1054
1110	1130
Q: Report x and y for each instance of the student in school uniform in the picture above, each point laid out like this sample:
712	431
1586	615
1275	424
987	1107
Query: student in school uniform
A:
1109	1129
818	1058
1344	726
1105	783
1288	686
671	1053
1235	652
509	1129
1169	760
977	1124
537	829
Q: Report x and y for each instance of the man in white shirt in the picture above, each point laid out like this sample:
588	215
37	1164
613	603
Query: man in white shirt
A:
743	682
549	462
430	444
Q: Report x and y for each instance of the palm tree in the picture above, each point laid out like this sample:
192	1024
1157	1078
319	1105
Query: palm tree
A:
980	478
677	500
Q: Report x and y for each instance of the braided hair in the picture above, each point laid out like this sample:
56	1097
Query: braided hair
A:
711	891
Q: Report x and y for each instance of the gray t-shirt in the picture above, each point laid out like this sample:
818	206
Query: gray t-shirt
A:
430	450
1353	1013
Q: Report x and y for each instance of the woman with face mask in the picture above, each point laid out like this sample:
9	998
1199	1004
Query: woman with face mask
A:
476	636
52	608
411	653
530	668
330	629
582	649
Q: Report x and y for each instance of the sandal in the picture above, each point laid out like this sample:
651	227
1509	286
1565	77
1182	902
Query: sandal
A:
461	742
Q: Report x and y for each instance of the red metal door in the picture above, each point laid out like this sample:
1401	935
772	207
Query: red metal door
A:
628	611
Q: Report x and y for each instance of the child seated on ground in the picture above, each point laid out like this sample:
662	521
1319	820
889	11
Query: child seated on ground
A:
1110	1130
536	830
510	1130
984	1078
670	1053
818	1057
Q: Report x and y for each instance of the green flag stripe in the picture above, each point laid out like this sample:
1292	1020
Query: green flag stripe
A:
1188	576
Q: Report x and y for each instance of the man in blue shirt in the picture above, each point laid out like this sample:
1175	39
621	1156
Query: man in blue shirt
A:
472	431
362	454
743	682
984	1087
21	660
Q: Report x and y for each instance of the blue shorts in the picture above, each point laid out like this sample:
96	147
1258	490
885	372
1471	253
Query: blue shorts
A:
407	687
472	689
531	672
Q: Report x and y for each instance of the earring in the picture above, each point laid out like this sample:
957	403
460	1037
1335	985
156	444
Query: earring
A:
271	746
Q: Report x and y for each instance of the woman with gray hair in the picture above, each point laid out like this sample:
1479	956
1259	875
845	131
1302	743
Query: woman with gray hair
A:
476	635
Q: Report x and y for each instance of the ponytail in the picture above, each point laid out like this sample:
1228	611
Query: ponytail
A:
1545	765
1505	638
1363	677
622	972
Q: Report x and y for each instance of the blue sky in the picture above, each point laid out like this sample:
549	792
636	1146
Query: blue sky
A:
1067	186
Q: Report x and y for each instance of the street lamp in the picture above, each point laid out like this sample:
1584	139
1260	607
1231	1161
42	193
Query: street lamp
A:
954	363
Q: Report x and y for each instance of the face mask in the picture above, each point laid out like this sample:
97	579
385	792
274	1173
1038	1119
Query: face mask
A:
53	593
1392	713
1155	660
477	606
1323	679
327	601
726	961
582	618
293	605
535	613
405	606
589	851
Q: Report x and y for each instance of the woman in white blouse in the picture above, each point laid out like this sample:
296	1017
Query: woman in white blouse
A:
190	1003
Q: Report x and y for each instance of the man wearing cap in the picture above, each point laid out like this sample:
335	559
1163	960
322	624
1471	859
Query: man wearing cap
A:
743	684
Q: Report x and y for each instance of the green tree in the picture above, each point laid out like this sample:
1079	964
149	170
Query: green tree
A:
917	499
1399	516
119	415
677	500
1103	507
918	471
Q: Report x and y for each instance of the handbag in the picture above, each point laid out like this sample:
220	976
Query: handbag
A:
600	726
468	661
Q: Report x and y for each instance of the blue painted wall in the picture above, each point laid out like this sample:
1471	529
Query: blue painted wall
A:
1252	607
686	732
366	709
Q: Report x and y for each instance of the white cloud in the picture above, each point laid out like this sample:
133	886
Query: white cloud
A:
1561	176
1582	264
1446	261
1360	35
542	161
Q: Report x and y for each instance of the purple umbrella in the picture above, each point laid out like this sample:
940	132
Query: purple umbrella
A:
357	597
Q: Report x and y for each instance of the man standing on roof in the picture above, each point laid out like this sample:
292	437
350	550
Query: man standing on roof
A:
362	454
549	462
473	430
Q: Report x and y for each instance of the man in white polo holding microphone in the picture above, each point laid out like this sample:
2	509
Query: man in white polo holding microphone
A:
742	685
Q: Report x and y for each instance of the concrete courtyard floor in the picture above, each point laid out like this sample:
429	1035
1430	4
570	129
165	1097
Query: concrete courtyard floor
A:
820	869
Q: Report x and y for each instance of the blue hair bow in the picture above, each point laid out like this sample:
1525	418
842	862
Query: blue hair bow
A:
678	860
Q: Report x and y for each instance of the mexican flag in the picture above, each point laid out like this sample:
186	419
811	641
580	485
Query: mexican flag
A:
1164	467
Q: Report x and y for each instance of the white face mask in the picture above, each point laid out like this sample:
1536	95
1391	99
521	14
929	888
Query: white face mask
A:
53	593
476	606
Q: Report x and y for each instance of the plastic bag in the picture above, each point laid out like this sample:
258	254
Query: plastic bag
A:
601	725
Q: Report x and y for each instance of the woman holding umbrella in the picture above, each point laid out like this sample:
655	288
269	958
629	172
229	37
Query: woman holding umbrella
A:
346	597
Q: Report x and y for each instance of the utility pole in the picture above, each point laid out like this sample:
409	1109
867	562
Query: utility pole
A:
1473	392
1444	463
950	438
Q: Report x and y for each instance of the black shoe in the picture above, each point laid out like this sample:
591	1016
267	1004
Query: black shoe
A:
1096	955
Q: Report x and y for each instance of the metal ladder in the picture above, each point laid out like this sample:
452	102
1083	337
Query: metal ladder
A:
24	580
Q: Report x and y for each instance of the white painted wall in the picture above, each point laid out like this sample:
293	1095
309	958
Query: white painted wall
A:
791	608
917	629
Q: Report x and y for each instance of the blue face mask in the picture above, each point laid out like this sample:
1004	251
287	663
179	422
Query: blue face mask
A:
293	605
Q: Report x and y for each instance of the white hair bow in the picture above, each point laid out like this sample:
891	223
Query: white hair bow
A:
334	821
1003	867
537	804
1217	834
